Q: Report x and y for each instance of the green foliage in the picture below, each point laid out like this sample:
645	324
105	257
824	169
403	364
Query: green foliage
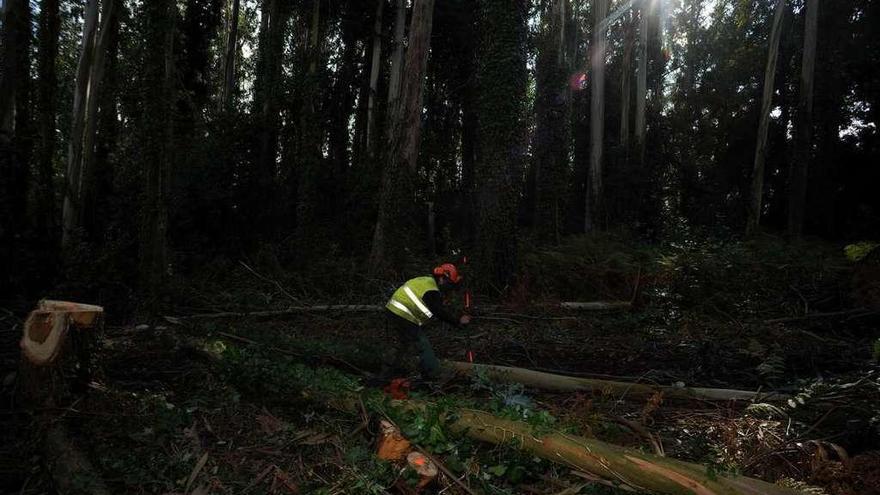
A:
859	251
264	373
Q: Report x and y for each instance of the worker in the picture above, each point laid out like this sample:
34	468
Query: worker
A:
412	306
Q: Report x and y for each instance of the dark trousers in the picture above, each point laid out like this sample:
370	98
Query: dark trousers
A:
411	341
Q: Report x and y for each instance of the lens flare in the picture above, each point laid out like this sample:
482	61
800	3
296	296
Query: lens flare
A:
578	81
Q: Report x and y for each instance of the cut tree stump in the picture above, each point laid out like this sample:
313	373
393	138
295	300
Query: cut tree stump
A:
392	446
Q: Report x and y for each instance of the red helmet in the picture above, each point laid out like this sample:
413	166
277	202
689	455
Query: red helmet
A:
449	271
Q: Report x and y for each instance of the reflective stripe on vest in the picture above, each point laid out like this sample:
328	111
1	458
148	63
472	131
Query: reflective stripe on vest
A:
407	303
418	302
400	306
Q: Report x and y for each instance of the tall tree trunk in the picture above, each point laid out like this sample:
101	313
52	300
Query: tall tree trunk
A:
502	82
86	199
72	210
44	197
397	57
374	77
396	212
15	135
468	108
227	98
804	132
311	138
274	19
642	82
625	84
161	17
263	187
593	203
550	160
757	192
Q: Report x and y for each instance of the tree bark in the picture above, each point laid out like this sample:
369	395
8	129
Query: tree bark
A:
502	80
161	17
804	131
642	82
757	190
626	84
227	98
311	138
634	470
551	140
562	383
374	78
87	177
16	141
274	18
73	197
593	203
395	220
47	107
397	57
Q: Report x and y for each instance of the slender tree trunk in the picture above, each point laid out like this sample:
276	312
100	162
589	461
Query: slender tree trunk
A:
757	192
72	210
161	17
625	85
593	201
804	132
374	77
15	138
396	212
311	138
96	78
642	82
502	81
44	200
274	21
550	155
397	57
229	84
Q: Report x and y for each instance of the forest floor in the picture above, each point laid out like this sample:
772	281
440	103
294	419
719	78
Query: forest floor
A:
159	417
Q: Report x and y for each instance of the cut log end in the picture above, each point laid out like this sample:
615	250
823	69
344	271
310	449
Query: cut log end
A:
423	466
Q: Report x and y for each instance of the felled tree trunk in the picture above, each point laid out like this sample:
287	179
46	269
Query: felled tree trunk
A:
562	383
628	468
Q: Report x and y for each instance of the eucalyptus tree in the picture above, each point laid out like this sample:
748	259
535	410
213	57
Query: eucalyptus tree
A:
757	189
502	81
804	130
392	234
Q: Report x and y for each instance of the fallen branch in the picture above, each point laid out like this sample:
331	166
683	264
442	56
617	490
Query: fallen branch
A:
595	305
342	308
853	313
562	383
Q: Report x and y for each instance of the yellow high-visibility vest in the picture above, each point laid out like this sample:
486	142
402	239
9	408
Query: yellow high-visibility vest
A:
407	303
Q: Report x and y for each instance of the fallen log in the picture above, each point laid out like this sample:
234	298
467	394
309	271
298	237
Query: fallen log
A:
342	308
376	308
562	383
624	467
629	468
595	305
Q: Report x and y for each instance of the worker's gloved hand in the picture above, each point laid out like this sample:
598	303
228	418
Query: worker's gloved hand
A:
464	320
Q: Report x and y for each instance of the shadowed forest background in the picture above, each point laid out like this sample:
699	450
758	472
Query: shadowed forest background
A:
705	169
192	134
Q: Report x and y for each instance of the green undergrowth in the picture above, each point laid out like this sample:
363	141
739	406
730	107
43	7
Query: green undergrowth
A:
260	373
